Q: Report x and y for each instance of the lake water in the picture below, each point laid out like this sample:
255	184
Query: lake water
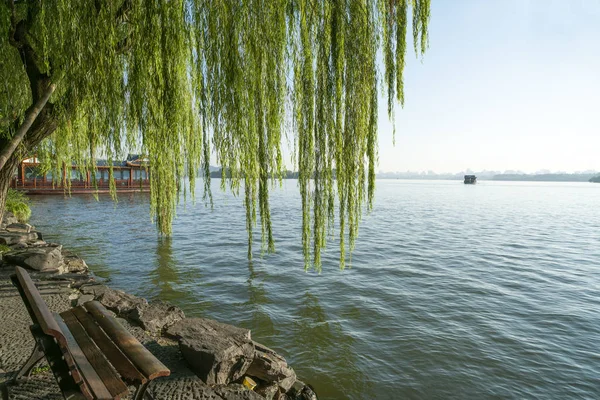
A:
455	291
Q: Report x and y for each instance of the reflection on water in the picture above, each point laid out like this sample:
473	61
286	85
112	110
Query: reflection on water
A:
164	276
484	291
326	347
171	282
261	324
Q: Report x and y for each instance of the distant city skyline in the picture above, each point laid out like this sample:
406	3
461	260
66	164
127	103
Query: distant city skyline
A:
505	85
490	172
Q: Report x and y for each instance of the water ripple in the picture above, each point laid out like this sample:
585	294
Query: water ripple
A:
491	291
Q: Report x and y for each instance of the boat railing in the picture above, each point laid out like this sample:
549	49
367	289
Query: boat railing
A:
41	183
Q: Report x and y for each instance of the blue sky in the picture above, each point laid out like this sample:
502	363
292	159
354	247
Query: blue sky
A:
505	84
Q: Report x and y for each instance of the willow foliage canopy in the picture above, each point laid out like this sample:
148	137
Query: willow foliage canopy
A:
180	80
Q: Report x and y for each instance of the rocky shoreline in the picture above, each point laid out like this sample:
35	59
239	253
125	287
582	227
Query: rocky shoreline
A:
208	359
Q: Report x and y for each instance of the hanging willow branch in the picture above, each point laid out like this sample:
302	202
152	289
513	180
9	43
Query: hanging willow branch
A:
178	80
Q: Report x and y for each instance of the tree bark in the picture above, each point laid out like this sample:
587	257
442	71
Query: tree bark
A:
32	114
6	174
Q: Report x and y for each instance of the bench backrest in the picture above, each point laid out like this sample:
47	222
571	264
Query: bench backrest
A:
37	305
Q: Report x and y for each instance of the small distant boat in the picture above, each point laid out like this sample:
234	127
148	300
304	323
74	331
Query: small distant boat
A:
470	179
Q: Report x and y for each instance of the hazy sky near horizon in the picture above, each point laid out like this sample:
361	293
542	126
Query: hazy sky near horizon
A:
505	85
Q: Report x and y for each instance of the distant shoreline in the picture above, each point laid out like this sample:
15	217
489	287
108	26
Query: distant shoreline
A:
503	177
487	180
481	176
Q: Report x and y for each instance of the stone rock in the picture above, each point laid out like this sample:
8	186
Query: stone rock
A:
73	280
82	279
302	391
73	263
45	259
268	391
156	315
94	289
308	393
271	367
120	302
84	298
236	392
19	246
191	326
9	218
10	238
217	357
18	227
297	387
115	300
37	243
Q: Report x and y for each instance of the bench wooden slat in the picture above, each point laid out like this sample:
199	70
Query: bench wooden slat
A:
108	348
111	380
145	361
43	315
91	378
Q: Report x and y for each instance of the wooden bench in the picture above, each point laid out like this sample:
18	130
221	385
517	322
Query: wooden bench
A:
90	354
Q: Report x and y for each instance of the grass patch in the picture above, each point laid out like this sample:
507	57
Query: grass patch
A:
4	248
40	369
18	204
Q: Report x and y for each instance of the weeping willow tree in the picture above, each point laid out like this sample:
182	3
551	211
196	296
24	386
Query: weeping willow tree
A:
181	80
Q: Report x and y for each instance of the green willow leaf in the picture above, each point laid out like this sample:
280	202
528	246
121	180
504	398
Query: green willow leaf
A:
180	81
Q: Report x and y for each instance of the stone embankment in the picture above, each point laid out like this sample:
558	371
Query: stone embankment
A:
208	359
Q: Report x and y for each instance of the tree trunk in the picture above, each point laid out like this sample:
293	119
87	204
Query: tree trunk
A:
30	117
6	175
40	127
